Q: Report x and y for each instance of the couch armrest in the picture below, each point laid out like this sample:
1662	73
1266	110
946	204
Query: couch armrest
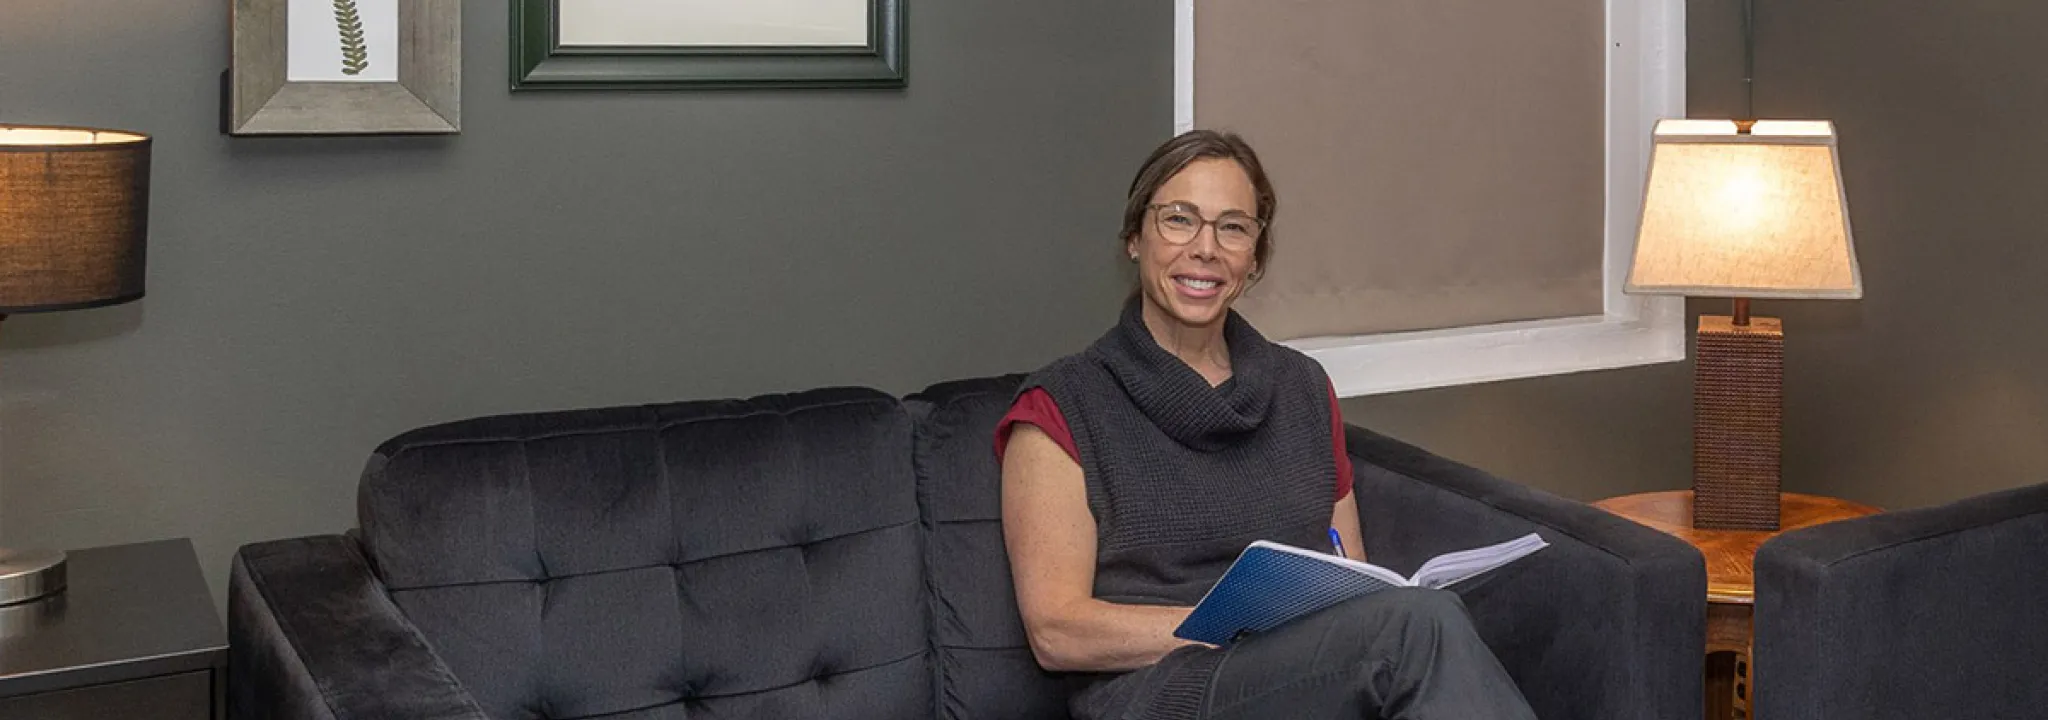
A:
312	634
1607	623
1934	612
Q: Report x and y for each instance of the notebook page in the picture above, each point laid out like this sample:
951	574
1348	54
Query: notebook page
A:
1451	568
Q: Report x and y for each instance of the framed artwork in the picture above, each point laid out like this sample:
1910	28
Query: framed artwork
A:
340	67
704	44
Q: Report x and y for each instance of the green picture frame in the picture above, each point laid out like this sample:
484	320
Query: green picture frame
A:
541	62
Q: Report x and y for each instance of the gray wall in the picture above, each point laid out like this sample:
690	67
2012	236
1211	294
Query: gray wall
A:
1931	388
1940	377
311	297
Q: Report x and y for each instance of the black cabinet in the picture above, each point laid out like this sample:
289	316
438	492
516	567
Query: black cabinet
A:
135	635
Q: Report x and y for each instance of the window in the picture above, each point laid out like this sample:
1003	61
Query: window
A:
1459	179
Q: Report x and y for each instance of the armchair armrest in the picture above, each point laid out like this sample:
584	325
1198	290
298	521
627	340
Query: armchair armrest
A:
1934	612
312	635
1607	623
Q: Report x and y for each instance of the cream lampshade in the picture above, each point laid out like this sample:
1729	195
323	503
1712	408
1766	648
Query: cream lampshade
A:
1742	210
1758	215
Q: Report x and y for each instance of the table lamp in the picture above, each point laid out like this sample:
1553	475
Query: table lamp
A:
74	214
1742	209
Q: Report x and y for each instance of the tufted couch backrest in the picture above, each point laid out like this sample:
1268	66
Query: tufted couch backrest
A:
984	666
741	558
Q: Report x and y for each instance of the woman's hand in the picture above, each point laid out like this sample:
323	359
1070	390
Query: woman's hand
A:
1050	535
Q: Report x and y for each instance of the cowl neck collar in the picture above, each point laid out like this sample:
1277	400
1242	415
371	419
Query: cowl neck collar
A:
1178	399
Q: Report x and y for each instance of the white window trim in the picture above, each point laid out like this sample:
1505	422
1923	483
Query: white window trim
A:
1646	82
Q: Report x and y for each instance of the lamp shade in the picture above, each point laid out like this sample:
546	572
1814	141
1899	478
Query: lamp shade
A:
74	217
1757	214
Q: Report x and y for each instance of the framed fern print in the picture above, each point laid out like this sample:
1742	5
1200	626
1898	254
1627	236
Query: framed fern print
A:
707	44
345	67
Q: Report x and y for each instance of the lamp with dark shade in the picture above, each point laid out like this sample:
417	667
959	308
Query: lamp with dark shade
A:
74	217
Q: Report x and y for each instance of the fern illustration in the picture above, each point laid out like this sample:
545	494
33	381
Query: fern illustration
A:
355	55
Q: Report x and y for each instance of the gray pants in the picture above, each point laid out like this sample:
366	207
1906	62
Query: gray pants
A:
1394	655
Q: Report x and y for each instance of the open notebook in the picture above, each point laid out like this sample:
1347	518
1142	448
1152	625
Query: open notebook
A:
1270	584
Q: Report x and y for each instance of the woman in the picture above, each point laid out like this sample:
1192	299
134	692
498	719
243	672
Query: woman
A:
1135	471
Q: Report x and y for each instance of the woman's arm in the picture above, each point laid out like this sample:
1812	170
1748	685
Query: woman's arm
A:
1051	540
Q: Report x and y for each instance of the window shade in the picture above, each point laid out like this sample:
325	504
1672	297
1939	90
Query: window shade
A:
1439	163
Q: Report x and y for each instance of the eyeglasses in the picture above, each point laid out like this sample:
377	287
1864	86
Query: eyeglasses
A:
1179	223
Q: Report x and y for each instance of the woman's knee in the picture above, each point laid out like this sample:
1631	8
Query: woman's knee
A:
1358	620
1365	628
1434	608
1431	603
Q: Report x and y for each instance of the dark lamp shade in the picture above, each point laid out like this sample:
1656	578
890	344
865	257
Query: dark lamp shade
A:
74	217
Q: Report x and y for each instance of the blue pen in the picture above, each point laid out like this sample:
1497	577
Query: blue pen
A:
1338	541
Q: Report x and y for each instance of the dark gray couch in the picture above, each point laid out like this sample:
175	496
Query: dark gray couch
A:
833	553
1938	612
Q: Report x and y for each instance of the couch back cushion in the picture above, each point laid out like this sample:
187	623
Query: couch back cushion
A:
742	558
984	666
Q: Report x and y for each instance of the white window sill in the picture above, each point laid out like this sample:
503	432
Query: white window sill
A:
1400	362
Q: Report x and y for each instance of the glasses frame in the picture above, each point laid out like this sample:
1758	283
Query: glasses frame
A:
1159	225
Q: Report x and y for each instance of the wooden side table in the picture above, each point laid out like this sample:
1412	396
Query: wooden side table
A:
1731	586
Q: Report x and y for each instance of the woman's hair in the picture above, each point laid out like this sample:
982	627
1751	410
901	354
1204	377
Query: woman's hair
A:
1183	150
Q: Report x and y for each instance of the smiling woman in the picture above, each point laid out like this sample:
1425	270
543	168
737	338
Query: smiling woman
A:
1135	470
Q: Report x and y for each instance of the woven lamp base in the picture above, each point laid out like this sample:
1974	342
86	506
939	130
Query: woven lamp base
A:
1738	423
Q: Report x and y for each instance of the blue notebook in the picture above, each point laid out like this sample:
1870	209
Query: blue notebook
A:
1270	584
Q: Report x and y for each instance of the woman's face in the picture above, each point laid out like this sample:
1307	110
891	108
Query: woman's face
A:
1195	247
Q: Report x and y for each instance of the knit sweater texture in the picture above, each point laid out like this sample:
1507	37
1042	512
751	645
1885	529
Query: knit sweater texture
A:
1182	475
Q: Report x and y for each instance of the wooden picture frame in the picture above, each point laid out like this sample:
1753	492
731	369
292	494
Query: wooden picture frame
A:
540	60
421	93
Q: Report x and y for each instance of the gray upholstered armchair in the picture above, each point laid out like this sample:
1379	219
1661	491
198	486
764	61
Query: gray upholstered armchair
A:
1611	624
1935	612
